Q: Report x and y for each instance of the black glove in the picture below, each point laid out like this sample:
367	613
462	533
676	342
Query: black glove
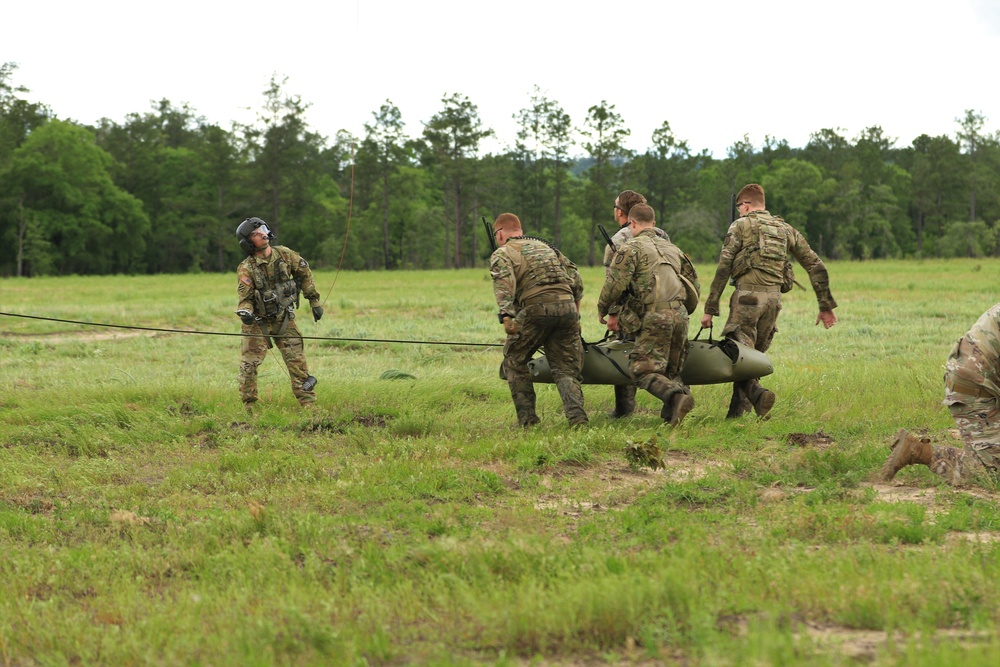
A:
246	316
317	313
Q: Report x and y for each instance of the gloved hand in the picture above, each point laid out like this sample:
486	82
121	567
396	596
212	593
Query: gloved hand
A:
511	326
317	313
246	316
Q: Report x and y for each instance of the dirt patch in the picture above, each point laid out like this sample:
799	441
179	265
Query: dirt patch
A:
897	493
620	484
817	440
81	336
864	645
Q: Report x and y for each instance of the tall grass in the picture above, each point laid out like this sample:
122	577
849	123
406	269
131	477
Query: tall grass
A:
146	519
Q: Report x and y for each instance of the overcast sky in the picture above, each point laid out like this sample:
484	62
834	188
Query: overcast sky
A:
716	70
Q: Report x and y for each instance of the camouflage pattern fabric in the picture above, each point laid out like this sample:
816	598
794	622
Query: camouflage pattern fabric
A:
297	266
630	280
620	238
753	318
660	350
288	340
526	271
975	358
253	351
660	328
742	237
556	327
971	394
538	286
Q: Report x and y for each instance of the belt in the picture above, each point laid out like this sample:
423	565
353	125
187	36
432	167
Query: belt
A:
567	298
966	388
669	305
759	288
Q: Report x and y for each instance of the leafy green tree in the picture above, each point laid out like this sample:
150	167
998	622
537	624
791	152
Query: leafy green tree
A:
286	162
969	239
557	142
665	173
383	153
62	182
605	134
937	186
452	139
18	118
794	190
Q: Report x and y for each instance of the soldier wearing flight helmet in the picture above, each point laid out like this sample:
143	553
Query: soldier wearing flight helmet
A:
268	285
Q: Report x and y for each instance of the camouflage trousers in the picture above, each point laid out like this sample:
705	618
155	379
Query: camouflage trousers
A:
753	321
253	351
978	421
753	318
556	328
661	347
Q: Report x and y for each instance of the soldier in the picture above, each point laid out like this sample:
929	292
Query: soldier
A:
755	259
660	289
538	291
626	199
972	388
269	280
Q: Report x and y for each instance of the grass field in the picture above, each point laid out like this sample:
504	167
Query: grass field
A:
146	519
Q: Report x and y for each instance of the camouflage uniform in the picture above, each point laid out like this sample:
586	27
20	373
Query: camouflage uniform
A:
268	287
644	278
536	285
972	388
754	258
624	393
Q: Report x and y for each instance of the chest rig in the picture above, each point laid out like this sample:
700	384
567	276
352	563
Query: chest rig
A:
276	291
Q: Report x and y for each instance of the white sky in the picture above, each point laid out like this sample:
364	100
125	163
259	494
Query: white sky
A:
715	69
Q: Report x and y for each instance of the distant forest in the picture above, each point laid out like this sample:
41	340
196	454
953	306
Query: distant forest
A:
163	191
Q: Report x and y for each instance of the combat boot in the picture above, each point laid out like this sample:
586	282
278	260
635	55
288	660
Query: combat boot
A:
739	404
681	404
572	400
523	394
907	450
624	400
765	401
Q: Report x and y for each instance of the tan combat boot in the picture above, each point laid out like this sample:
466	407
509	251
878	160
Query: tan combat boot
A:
681	404
906	450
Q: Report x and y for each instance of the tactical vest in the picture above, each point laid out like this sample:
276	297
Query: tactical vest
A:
282	296
664	262
538	270
767	249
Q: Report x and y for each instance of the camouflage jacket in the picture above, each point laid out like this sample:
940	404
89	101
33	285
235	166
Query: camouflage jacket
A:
975	358
258	278
743	237
631	278
526	270
620	238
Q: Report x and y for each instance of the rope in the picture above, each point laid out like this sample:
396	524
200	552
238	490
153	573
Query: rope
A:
243	335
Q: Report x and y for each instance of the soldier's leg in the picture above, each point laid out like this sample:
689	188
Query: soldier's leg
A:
753	322
650	362
739	404
624	400
253	349
978	422
564	352
956	466
293	352
516	353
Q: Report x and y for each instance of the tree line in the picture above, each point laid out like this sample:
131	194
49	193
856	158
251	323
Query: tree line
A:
164	190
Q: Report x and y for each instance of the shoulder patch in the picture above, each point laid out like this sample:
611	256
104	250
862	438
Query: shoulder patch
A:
619	257
302	263
246	280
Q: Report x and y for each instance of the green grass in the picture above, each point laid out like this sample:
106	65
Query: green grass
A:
146	519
